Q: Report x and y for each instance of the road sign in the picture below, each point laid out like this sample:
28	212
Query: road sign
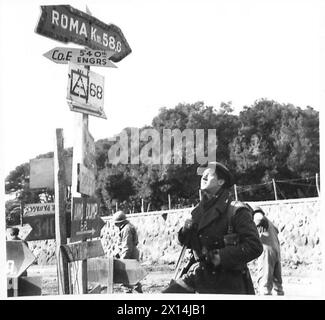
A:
43	227
41	218
85	91
96	58
67	24
85	221
86	180
19	258
83	250
41	174
32	209
126	271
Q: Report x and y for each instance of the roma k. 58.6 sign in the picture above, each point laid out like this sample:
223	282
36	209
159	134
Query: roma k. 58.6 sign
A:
67	24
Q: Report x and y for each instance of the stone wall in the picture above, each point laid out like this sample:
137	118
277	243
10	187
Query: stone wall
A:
298	222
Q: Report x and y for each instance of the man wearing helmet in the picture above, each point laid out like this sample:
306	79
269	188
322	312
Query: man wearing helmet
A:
222	237
128	241
269	263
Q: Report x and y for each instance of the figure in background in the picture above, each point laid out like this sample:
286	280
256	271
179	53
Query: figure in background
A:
269	263
127	246
223	239
13	235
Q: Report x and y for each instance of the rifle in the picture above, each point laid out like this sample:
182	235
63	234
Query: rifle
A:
178	270
178	264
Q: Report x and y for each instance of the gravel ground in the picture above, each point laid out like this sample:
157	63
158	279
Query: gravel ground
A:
297	283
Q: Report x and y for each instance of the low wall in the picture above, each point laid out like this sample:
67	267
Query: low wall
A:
298	222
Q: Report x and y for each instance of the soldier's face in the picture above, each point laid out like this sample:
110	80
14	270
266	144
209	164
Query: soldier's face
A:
210	181
258	216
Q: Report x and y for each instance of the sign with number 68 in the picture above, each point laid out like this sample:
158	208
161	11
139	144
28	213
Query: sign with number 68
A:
85	92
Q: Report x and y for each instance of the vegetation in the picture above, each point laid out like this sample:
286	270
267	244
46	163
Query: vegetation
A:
264	141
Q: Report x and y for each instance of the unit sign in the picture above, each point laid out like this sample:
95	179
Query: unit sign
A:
85	92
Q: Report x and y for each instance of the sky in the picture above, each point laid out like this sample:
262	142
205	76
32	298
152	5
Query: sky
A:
182	51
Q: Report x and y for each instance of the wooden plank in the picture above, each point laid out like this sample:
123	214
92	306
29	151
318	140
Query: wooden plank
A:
60	213
41	172
110	276
83	250
127	271
30	286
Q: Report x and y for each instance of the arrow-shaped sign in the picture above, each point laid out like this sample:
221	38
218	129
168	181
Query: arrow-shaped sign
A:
97	58
67	24
86	222
19	258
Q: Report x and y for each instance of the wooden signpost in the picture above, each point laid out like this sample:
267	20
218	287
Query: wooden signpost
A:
85	95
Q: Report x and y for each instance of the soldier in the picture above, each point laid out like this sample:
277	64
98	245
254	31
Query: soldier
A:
223	238
128	241
13	235
269	263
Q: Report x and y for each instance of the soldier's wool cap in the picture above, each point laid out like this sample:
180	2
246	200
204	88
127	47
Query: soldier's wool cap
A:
258	209
218	167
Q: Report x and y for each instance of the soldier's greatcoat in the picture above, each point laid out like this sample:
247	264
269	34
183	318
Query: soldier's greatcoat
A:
211	223
128	241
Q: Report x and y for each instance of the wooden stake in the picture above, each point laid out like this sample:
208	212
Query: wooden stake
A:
235	188
317	185
274	189
110	275
60	213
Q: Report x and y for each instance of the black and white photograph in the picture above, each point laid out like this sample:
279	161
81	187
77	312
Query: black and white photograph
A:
166	150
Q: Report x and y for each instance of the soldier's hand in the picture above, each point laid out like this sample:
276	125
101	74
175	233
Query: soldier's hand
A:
215	259
262	225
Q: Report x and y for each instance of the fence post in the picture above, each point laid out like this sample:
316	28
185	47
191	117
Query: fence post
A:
274	189
235	188
317	185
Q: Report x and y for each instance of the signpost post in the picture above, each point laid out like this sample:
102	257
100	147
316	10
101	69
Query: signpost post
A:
85	94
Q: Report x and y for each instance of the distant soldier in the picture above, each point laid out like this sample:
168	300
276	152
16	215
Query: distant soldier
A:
13	235
128	241
269	263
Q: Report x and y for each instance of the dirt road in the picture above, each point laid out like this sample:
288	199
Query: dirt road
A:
295	285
